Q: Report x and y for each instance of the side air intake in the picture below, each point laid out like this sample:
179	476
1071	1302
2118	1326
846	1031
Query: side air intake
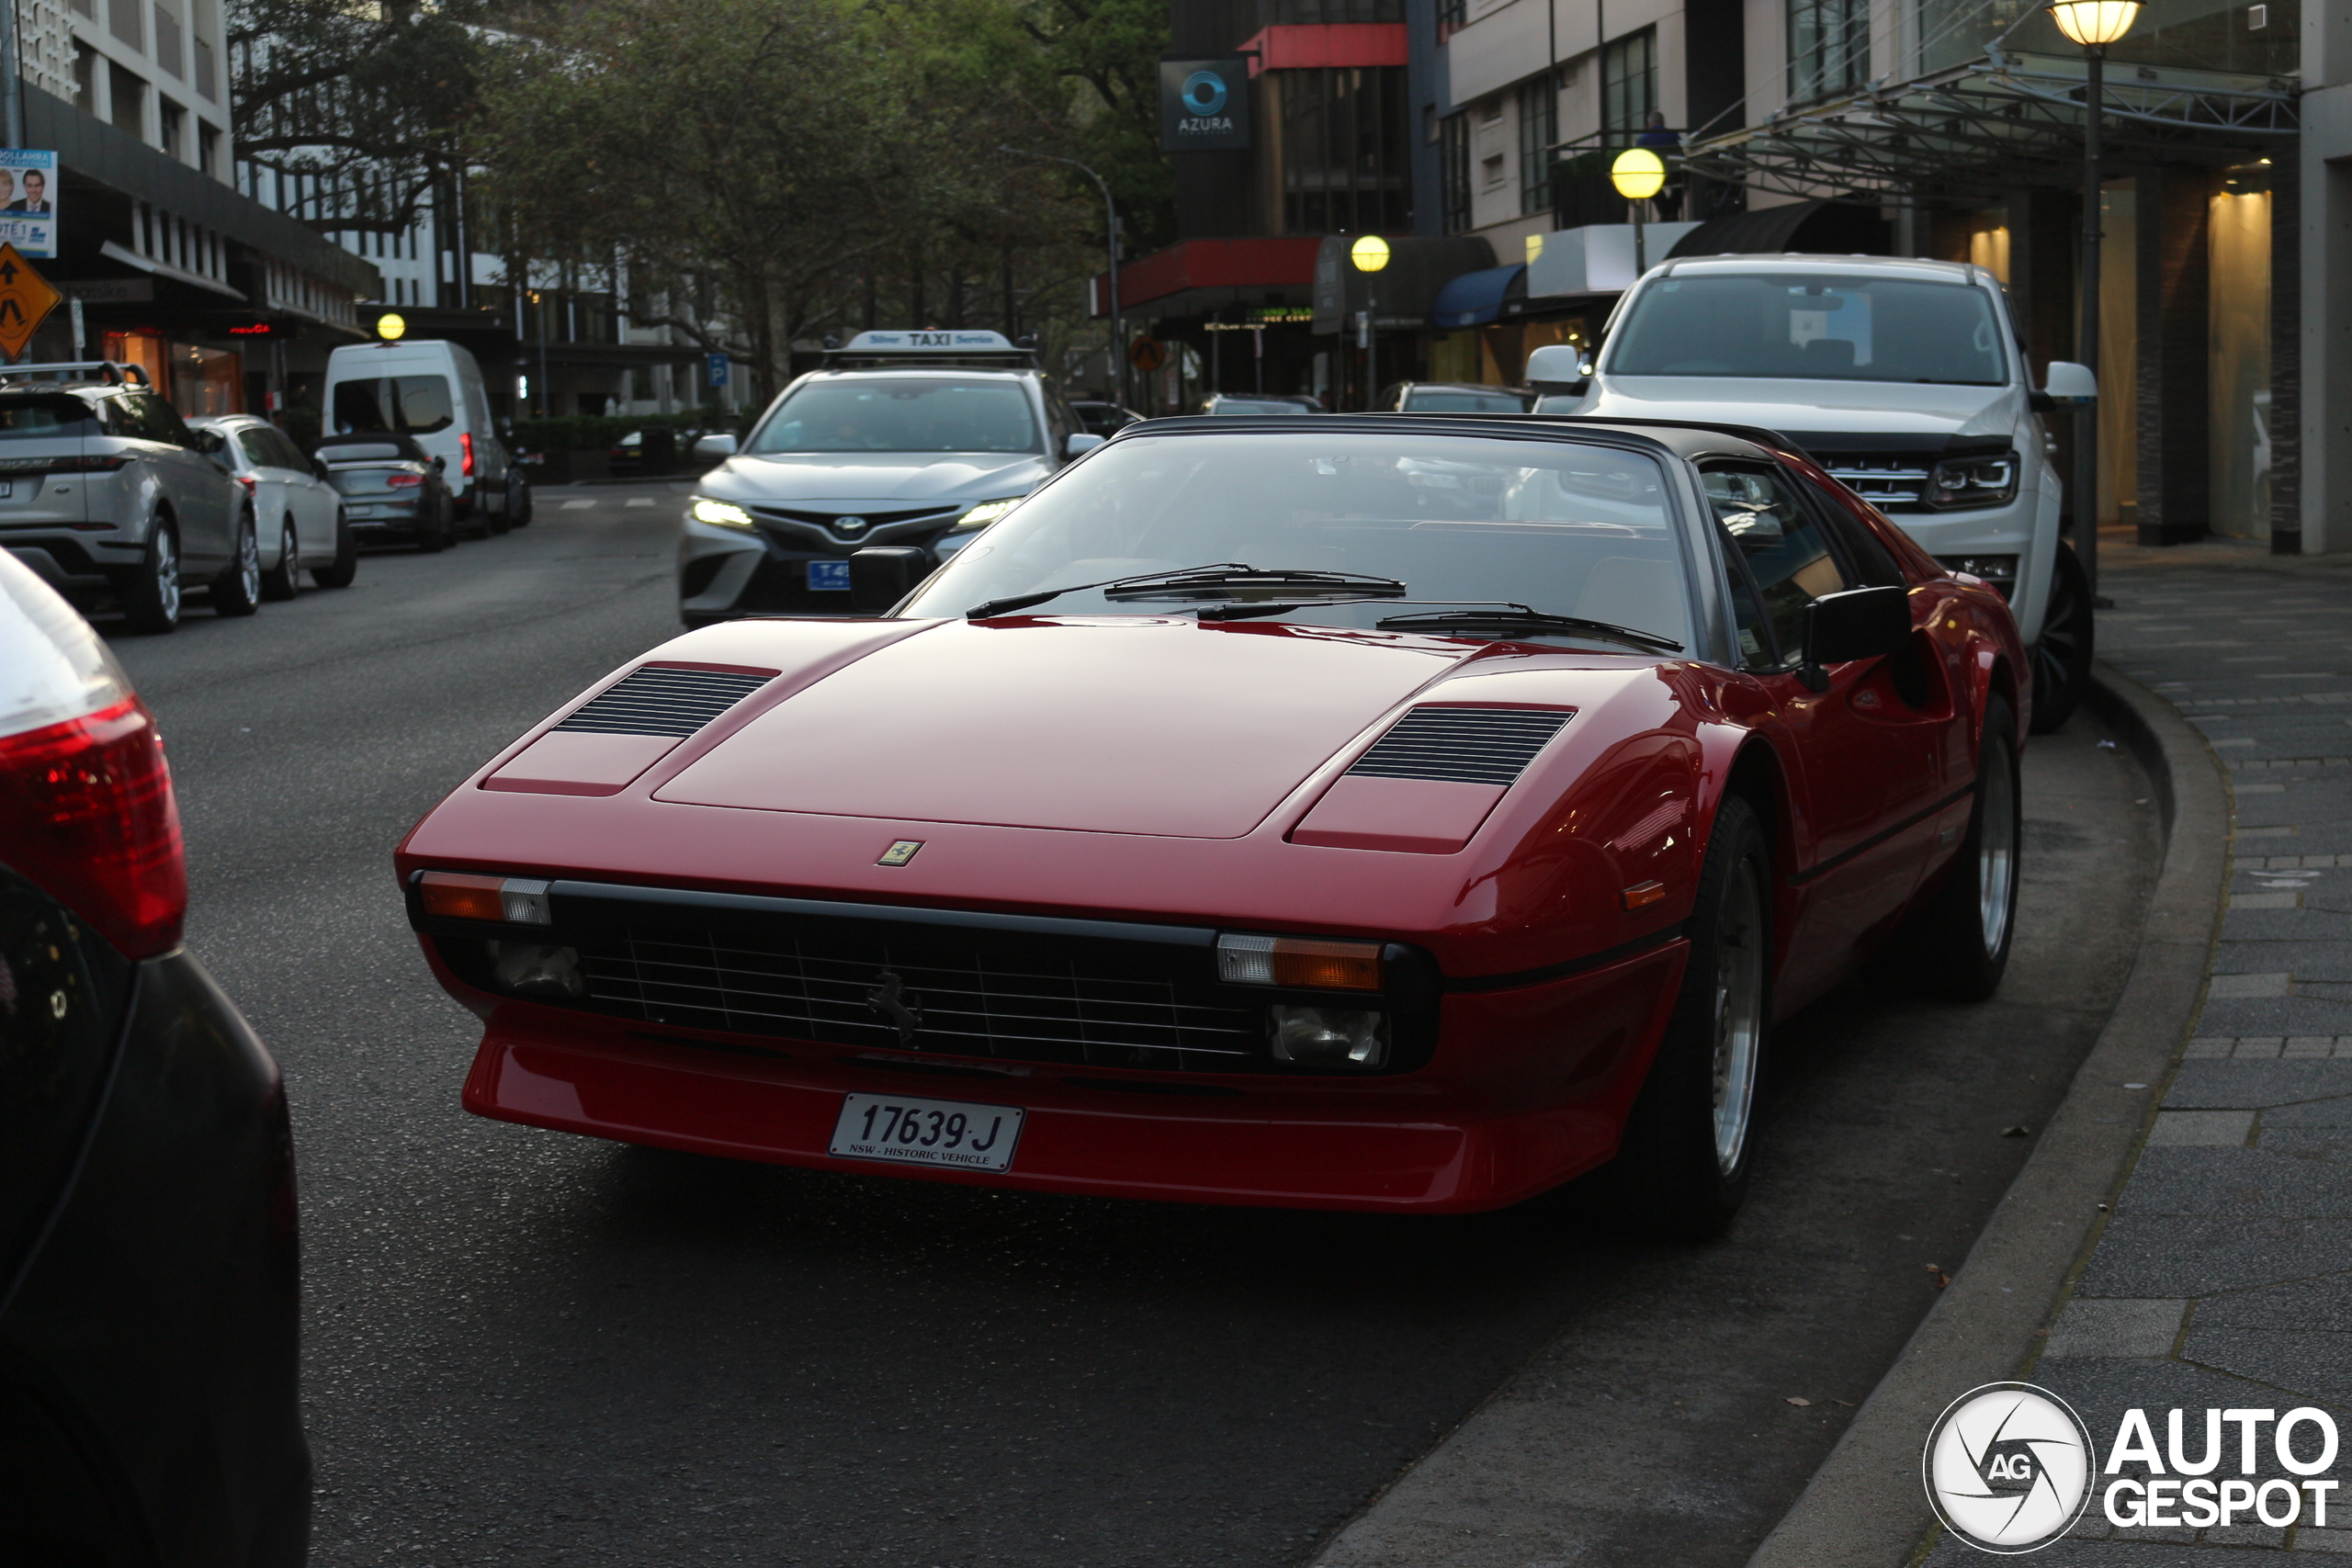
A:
659	700
1463	745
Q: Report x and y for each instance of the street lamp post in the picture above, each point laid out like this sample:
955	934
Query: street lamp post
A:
2093	23
1110	244
1369	254
1638	174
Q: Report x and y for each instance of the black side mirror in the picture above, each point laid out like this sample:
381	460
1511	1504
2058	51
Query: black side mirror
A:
209	441
440	465
881	575
1861	623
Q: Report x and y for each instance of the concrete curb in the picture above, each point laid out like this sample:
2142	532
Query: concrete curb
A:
1865	1508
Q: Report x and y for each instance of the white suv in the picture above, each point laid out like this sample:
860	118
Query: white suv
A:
1905	379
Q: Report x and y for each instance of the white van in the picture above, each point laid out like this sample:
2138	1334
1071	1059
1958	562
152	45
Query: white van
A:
434	392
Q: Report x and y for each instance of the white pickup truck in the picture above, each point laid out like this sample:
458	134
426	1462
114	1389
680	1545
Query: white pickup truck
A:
1905	379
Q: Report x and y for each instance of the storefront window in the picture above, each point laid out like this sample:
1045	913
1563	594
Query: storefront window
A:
2199	35
2238	241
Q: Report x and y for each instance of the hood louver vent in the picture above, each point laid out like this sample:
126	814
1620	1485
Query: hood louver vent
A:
1488	746
657	701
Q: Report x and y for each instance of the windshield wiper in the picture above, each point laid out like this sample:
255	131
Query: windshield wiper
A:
1508	617
1226	580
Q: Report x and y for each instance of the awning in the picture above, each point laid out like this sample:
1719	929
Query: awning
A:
1985	129
1832	228
1475	298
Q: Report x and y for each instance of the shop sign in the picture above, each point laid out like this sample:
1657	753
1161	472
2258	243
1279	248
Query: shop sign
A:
109	291
28	200
1205	105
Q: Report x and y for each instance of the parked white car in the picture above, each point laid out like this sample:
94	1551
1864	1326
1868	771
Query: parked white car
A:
433	392
1905	379
299	521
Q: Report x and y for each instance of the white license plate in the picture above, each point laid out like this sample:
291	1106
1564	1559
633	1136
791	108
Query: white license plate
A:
948	1133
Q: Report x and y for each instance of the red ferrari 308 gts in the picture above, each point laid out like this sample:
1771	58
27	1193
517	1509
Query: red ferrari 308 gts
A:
1378	812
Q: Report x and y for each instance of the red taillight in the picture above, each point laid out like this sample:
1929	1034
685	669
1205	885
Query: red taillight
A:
466	452
85	465
87	812
403	481
250	483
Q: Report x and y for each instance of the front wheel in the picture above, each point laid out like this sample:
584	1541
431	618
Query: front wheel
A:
1683	1171
2061	660
346	565
1957	946
237	591
284	581
439	537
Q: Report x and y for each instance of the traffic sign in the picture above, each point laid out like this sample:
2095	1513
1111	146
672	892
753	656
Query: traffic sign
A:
717	369
1147	353
25	298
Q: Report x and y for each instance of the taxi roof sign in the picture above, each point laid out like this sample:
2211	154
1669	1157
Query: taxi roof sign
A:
950	341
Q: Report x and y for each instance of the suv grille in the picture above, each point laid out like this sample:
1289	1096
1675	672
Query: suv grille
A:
1488	746
829	520
656	700
1892	482
864	990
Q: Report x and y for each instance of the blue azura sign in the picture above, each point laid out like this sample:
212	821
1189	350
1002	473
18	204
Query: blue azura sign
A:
1205	105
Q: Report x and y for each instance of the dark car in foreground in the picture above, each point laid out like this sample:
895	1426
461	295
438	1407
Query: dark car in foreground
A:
392	491
148	1291
1370	811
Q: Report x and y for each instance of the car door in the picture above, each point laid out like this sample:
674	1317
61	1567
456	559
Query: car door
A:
203	495
1867	769
305	497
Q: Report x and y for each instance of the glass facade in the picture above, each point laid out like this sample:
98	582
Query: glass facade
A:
2200	35
1829	47
1453	171
1345	165
1539	128
1628	85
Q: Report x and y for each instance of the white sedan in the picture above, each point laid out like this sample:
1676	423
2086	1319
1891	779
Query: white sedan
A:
298	516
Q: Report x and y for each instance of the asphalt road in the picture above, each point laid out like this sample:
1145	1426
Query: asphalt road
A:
524	1346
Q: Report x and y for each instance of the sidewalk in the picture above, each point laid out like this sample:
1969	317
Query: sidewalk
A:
2224	1276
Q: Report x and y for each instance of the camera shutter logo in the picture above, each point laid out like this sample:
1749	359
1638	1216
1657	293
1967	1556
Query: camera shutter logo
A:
1204	93
2008	1468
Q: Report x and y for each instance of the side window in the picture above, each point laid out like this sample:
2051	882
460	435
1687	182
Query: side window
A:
1872	561
281	452
1784	548
160	420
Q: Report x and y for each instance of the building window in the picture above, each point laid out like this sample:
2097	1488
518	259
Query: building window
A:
207	148
86	77
1345	163
172	128
1454	154
168	52
1539	128
129	91
1829	47
1628	86
1450	14
122	16
203	76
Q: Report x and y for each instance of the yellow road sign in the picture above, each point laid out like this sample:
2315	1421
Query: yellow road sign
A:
26	298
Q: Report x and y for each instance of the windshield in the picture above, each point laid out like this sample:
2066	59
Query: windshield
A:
1562	528
1831	328
901	415
418	405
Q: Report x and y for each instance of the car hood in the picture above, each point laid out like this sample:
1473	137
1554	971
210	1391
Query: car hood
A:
1802	408
1115	724
873	475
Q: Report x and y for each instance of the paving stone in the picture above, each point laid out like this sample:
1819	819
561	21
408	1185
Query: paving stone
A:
2278	984
2305	961
2315	1367
2235	1084
2312	1538
2108	1326
2310	1114
2298	1014
2321	1304
2235	1181
2173	1255
2224	1129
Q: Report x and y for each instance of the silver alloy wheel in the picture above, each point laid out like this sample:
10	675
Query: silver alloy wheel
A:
1996	846
167	573
290	557
1739	1011
249	562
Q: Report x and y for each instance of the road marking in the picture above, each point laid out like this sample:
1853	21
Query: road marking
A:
640	501
577	505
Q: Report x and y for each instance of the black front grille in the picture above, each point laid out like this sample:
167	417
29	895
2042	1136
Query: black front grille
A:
659	700
874	520
1489	746
1035	1005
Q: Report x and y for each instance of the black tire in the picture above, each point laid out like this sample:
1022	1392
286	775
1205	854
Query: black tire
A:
518	501
346	556
482	528
1674	1177
439	537
1957	945
2061	658
284	581
150	593
237	591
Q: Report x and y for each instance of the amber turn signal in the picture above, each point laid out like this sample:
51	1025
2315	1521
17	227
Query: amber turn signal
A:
1298	960
1643	894
456	895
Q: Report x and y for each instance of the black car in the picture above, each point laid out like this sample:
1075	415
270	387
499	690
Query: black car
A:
149	1294
394	490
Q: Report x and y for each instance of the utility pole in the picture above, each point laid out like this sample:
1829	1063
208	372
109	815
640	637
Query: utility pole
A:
12	85
1111	243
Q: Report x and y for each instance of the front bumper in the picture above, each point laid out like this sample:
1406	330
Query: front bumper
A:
1525	1088
2025	528
149	1408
